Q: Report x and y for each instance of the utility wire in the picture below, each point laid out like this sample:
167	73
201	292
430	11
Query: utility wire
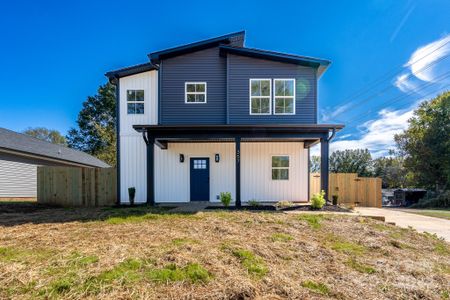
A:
383	79
391	86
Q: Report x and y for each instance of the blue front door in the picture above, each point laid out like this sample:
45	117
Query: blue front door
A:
200	179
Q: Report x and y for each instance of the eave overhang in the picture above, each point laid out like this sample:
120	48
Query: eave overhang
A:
132	70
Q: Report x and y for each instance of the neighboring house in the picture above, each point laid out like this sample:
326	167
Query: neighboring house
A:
214	116
20	155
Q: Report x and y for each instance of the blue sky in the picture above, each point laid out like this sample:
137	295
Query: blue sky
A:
54	53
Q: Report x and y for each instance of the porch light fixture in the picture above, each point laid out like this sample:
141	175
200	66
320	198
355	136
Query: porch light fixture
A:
181	158
217	157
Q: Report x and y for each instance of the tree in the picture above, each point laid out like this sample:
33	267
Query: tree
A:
48	135
391	170
352	161
96	126
314	164
426	143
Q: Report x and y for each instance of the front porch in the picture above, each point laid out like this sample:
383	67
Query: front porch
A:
237	155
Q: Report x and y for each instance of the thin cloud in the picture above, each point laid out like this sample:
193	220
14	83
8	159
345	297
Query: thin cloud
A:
401	24
328	115
426	65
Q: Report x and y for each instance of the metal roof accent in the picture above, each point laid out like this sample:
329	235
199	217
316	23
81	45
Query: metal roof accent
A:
319	63
237	37
119	73
23	145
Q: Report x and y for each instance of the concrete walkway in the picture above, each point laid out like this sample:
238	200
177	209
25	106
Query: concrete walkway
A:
440	227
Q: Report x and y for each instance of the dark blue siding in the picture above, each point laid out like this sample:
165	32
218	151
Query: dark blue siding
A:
241	69
205	65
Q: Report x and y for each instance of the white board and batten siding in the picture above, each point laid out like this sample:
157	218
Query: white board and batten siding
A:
133	157
17	180
173	177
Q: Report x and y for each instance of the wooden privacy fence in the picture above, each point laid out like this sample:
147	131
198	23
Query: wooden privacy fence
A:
71	186
350	189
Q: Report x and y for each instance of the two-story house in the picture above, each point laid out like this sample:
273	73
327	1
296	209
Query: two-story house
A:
214	116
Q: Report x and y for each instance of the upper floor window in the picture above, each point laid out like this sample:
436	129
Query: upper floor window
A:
135	101
284	98
280	167
260	94
195	92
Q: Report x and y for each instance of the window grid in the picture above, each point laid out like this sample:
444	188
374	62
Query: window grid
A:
280	167
195	92
286	100
257	97
135	101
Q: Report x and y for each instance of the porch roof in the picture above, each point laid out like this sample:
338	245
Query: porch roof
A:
163	134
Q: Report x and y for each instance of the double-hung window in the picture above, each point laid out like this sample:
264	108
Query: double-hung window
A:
135	102
195	92
260	94
280	167
284	96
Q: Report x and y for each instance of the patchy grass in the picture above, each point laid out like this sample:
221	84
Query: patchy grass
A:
347	247
319	288
142	253
314	220
362	268
281	237
192	272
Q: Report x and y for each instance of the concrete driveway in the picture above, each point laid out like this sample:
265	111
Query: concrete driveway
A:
440	227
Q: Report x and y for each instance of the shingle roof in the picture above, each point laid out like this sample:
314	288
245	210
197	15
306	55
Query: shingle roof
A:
18	142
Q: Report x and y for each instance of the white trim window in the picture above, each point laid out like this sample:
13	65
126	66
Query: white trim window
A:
284	96
135	102
260	91
195	92
280	167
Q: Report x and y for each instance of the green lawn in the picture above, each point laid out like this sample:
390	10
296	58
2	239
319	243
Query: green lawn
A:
437	213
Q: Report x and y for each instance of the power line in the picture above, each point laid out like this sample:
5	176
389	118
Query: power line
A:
390	86
360	117
382	79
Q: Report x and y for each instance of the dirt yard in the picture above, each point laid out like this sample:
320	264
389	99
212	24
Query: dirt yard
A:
124	253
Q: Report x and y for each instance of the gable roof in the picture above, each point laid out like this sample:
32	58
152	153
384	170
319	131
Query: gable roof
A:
119	73
320	64
235	39
23	145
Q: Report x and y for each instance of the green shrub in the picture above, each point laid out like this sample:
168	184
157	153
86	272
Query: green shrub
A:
318	200
225	198
253	203
443	200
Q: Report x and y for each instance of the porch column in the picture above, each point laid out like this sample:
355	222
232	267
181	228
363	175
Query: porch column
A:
324	165
151	171
238	171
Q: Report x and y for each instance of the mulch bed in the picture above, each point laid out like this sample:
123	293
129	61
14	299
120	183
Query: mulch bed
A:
328	208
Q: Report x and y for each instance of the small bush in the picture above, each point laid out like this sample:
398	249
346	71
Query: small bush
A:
225	198
318	200
254	203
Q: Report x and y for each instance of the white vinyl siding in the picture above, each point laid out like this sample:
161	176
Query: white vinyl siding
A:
17	180
173	178
133	155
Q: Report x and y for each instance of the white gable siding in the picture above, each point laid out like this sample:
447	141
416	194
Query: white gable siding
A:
17	179
132	147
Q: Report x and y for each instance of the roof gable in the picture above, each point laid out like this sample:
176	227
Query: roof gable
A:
235	39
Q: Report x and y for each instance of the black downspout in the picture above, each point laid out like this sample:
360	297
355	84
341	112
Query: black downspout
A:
150	170
117	81
309	174
238	171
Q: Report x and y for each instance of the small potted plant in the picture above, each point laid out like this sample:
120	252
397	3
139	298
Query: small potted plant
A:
131	194
335	199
